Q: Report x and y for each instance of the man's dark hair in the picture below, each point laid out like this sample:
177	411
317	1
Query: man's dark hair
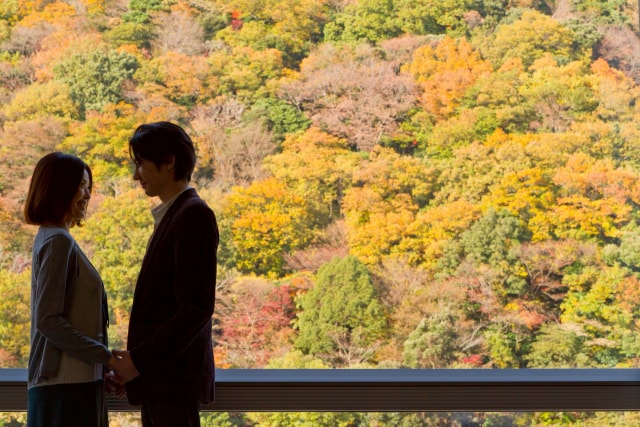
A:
54	183
158	142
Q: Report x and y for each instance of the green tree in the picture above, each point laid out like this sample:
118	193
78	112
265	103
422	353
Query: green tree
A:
433	344
434	16
528	194
134	27
557	346
559	94
604	12
223	419
342	320
307	419
472	171
488	242
373	21
363	21
492	240
9	11
146	5
604	303
95	79
246	72
498	97
627	251
278	116
528	38
585	32
504	345
137	33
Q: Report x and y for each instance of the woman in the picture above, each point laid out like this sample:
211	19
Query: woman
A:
68	303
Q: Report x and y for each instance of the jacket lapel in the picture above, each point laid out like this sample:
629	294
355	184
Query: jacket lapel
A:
158	235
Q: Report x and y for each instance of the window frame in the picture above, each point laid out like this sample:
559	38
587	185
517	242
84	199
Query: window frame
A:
397	390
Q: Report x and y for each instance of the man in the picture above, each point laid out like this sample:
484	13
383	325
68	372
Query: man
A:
168	366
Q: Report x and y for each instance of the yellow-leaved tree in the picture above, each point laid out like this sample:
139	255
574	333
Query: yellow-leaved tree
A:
260	224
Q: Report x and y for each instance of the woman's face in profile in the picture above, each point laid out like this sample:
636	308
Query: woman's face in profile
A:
80	202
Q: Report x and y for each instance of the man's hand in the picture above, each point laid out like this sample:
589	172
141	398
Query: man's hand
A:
123	366
112	385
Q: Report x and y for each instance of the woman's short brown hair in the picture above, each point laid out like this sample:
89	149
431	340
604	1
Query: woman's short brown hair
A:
54	183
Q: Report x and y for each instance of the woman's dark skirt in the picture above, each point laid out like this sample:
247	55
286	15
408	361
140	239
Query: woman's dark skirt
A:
67	405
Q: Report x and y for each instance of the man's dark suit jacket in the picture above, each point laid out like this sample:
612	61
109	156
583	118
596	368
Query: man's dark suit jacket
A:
170	324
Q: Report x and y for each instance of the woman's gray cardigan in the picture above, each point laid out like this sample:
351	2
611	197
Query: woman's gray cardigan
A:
55	275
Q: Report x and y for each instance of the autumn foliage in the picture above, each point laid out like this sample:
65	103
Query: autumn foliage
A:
398	184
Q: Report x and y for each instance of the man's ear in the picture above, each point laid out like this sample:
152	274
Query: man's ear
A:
171	162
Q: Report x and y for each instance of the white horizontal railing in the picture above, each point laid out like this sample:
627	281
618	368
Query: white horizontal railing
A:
397	390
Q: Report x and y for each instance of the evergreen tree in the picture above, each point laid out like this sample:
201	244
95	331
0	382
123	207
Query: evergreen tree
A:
95	80
342	319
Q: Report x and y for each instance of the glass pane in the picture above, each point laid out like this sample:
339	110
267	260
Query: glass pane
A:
399	184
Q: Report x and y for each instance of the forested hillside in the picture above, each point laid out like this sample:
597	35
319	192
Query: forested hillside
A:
408	183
